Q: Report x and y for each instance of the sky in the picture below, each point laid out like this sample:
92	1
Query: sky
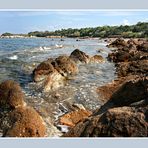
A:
27	21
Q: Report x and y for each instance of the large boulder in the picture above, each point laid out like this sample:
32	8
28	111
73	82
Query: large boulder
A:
65	66
116	122
25	122
130	91
11	95
79	56
43	70
47	76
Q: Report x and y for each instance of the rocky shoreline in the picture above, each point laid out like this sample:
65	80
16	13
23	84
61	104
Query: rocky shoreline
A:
123	114
125	109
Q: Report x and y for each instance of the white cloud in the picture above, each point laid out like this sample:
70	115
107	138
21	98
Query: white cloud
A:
125	22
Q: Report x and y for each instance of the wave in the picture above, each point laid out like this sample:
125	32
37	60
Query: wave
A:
14	57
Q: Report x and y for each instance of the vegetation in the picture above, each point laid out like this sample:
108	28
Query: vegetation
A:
140	30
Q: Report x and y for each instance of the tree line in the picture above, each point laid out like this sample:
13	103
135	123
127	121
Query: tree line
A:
139	30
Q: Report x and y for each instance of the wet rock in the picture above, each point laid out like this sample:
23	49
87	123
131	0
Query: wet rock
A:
116	122
97	59
43	70
72	118
48	77
25	122
11	95
65	66
79	56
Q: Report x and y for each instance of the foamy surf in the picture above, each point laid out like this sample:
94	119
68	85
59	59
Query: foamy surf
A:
14	57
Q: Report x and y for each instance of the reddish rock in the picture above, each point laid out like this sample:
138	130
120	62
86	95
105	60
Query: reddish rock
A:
65	66
79	56
47	76
74	117
139	67
43	70
25	122
11	95
97	59
116	122
119	43
129	92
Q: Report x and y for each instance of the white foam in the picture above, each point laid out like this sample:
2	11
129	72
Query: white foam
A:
58	46
14	57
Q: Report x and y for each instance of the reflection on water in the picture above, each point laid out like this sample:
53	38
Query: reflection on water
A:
18	58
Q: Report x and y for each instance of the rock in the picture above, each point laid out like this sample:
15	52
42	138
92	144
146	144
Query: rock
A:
143	47
97	59
119	43
25	122
139	67
43	70
129	92
65	66
116	122
47	76
53	82
106	91
11	95
72	118
79	56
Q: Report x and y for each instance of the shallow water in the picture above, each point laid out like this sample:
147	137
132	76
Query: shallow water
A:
18	58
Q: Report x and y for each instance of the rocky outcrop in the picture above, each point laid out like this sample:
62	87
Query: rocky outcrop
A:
25	122
126	93
125	109
116	122
79	56
65	66
118	43
11	95
53	73
16	118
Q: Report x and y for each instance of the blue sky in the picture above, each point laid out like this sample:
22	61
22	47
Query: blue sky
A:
26	21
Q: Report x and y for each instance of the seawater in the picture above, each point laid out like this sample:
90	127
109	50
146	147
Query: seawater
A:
18	58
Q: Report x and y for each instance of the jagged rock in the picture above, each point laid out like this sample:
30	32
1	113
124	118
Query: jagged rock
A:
129	92
65	66
116	122
119	43
25	122
11	95
48	77
43	70
74	117
79	56
132	68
